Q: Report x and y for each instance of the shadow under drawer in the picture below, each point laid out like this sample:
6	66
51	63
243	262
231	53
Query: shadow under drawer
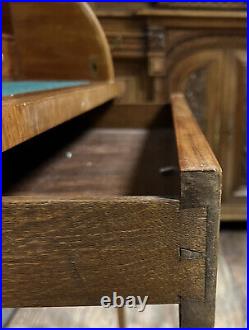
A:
92	156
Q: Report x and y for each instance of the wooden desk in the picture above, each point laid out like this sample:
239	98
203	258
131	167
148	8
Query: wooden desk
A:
121	198
198	49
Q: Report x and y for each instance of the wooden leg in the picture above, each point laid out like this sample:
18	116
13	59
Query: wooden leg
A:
194	314
121	317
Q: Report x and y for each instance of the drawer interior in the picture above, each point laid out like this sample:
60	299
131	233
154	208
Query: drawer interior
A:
114	150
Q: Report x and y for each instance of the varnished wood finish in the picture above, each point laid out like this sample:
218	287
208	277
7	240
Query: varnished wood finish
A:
194	152
69	45
205	19
154	243
96	162
214	6
9	67
198	49
231	299
25	116
113	159
121	238
89	211
124	151
200	187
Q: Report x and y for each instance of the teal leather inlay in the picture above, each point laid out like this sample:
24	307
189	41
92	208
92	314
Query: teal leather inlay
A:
22	87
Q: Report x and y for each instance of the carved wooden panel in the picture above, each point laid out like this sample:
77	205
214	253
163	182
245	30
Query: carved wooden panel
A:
195	91
195	74
200	55
216	94
239	177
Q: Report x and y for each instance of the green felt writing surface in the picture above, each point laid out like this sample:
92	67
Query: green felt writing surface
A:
22	87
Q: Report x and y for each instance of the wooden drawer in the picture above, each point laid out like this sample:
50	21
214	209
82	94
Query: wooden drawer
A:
123	198
190	48
99	197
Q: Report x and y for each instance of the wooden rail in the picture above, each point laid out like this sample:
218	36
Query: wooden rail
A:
200	187
27	115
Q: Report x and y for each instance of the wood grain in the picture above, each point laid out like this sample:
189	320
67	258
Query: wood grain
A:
190	19
69	45
200	187
25	116
194	152
69	252
221	6
203	189
126	158
231	299
123	148
9	66
93	162
205	48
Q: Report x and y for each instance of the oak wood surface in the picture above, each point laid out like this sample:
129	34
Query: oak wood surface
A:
215	6
68	45
190	19
230	310
192	228
194	152
101	162
75	154
42	52
31	238
200	187
171	18
192	13
205	52
69	252
25	116
9	68
106	152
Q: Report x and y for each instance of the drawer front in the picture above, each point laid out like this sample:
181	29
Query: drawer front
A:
63	252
